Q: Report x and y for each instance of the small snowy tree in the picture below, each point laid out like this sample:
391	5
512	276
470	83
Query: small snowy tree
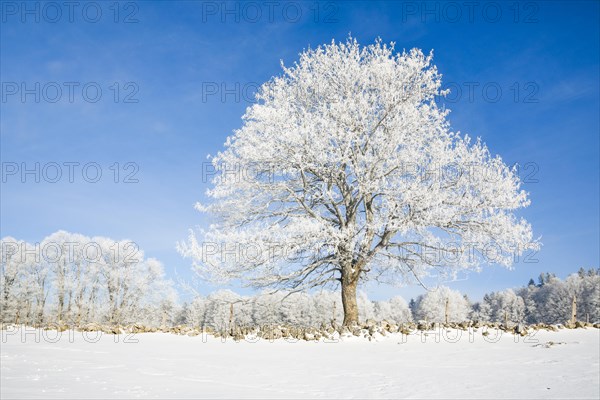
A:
590	293
296	309
528	294
181	316
366	308
196	312
586	286
501	306
400	312
553	301
395	310
218	310
432	306
327	307
10	267
348	170
267	308
382	310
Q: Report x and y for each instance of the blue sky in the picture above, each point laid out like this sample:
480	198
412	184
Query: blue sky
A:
163	56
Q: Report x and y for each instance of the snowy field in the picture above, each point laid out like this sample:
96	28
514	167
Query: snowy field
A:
164	365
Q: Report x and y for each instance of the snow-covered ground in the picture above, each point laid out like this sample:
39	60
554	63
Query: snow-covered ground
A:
164	365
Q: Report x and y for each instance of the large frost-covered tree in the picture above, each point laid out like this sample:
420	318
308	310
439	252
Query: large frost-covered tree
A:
346	170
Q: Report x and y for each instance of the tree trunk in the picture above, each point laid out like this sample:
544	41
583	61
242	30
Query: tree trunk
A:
349	303
446	311
231	319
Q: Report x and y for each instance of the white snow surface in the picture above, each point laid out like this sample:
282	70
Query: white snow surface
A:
48	364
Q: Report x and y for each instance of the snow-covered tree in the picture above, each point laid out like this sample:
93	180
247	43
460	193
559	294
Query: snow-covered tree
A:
297	309
345	170
218	309
10	267
412	305
151	289
196	312
266	308
327	307
585	285
553	301
181	318
394	310
528	294
432	306
400	312
590	294
366	308
498	306
382	310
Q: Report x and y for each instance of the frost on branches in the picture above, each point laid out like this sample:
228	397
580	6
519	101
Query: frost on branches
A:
346	170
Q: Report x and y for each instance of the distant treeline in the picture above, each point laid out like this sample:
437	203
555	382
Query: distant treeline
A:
75	280
549	301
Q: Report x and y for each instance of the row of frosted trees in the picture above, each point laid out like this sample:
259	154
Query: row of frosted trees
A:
224	307
73	279
549	301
